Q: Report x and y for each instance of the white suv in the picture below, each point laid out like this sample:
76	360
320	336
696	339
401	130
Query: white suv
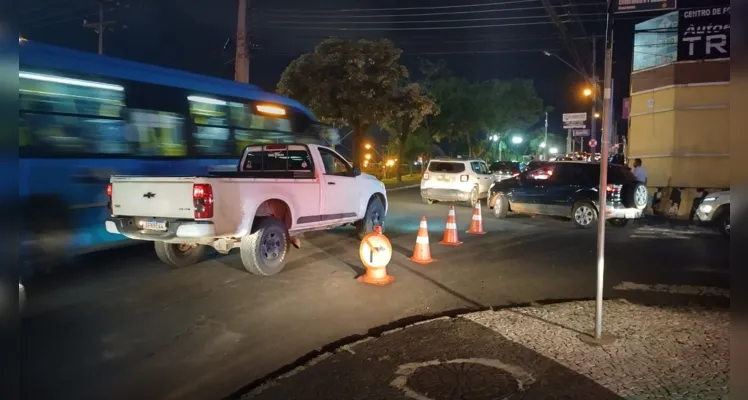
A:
450	179
715	210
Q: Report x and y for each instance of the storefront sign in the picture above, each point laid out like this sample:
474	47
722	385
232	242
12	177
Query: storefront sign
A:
628	6
704	33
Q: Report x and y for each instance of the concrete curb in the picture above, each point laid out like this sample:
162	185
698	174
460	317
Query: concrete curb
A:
415	185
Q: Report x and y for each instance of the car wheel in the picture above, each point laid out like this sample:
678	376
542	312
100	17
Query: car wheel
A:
179	255
723	223
635	195
263	252
584	214
474	198
374	216
618	222
427	201
500	207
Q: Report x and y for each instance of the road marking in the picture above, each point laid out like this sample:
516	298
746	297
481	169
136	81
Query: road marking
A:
674	289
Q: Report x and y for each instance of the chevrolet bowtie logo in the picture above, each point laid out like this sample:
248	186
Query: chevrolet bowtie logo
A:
150	195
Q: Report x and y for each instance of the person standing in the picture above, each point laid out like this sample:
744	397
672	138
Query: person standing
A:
640	172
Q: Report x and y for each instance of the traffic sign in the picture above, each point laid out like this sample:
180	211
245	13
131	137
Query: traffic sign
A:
592	143
580	132
575	125
375	251
574	117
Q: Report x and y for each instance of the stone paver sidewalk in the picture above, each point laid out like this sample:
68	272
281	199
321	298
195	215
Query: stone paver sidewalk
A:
527	353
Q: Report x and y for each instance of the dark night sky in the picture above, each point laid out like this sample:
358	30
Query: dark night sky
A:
189	35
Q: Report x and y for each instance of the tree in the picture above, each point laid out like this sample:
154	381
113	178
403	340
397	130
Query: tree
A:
410	107
347	82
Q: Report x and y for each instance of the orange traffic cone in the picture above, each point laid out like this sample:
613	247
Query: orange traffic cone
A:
476	226
376	272
450	232
422	250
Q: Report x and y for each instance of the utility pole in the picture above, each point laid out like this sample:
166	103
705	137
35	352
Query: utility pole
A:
100	26
595	90
545	139
241	60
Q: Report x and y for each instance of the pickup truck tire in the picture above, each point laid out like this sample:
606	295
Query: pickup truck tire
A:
263	252
374	216
179	255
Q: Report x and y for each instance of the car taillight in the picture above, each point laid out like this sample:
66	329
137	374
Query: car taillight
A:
426	176
109	193
202	199
464	178
613	188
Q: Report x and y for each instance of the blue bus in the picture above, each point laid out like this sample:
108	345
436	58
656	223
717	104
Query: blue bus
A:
84	117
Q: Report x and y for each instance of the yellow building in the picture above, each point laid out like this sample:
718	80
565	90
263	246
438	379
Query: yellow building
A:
679	125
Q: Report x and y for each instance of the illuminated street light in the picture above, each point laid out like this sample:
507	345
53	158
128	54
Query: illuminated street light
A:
553	150
542	145
367	156
597	115
517	139
587	92
390	163
367	146
495	138
366	163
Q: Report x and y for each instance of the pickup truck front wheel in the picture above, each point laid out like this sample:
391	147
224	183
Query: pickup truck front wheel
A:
179	255
263	251
374	216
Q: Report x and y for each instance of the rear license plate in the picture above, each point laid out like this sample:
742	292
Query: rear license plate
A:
442	178
154	225
631	215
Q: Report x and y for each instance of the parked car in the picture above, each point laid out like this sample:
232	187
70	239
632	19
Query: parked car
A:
463	180
715	210
570	189
276	192
505	169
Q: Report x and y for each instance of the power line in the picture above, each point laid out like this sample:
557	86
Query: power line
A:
451	7
369	15
433	28
406	53
426	21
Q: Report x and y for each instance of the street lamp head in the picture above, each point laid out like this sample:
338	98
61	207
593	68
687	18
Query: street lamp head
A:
587	92
542	145
367	156
517	139
553	150
597	115
367	146
547	53
495	137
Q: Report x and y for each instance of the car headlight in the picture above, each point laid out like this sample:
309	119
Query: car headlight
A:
710	198
706	208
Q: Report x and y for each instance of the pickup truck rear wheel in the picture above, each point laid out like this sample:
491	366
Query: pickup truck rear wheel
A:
374	216
179	255
263	252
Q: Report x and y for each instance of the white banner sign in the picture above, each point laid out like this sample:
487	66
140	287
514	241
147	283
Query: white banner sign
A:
575	117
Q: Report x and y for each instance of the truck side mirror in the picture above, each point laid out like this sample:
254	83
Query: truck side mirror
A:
356	171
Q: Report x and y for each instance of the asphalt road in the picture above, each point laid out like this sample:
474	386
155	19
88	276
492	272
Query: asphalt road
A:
122	326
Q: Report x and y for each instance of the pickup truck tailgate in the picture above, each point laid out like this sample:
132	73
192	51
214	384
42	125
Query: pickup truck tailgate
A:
153	197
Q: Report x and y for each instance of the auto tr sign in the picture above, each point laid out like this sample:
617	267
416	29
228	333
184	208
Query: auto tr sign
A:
704	33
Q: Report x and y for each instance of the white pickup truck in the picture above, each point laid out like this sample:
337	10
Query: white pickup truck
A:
277	192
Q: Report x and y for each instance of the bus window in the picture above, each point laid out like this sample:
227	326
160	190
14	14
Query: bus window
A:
156	133
211	117
62	115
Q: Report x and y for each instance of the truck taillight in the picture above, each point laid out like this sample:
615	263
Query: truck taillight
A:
464	178
202	199
109	193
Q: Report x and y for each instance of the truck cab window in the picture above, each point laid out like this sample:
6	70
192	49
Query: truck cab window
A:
334	164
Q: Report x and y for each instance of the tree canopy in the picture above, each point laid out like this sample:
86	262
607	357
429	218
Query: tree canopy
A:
347	82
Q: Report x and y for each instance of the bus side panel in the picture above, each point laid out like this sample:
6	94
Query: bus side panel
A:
79	189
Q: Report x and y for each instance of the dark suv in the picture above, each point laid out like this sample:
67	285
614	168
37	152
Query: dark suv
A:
570	189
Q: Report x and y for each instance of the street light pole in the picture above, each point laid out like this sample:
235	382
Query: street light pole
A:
595	91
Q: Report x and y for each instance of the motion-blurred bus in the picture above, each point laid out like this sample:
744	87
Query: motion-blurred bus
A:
84	117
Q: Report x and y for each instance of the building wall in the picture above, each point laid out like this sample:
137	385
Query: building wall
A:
680	127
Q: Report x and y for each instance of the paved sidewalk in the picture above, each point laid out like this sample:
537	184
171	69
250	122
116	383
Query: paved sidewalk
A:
527	353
